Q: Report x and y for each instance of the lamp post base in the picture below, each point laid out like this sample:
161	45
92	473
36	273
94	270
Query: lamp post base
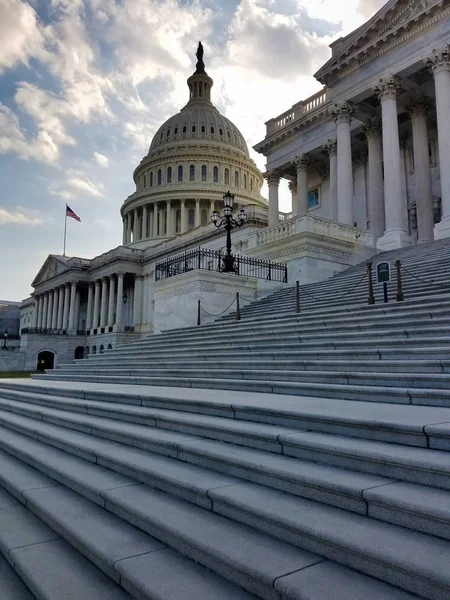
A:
228	264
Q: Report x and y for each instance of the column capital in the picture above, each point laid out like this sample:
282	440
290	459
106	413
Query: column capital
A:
439	60
301	162
330	147
388	87
372	128
342	112
418	106
273	177
293	187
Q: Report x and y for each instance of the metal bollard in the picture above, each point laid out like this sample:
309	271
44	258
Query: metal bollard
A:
400	296
198	313
297	296
238	310
371	299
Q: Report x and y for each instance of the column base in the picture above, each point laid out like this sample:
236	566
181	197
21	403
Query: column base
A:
119	328
393	239
442	229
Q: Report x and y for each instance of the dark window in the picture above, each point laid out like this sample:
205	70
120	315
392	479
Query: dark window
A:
251	184
204	172
216	175
212	129
229	135
159	176
184	129
180	173
194	129
203	216
245	181
191	218
168	132
236	179
175	131
192	173
145	180
227	176
203	129
169	174
151	179
221	131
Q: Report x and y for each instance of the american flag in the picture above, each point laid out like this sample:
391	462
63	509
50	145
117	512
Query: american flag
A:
70	213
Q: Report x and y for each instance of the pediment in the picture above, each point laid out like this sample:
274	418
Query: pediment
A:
53	266
394	17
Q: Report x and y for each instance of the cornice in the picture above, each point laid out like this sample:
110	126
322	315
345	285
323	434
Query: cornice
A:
380	45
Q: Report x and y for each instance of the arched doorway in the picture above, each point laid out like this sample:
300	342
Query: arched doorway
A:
45	360
79	352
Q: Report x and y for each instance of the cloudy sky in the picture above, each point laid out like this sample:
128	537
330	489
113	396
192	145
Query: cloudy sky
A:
84	84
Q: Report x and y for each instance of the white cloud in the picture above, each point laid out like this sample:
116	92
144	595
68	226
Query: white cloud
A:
101	159
19	216
87	186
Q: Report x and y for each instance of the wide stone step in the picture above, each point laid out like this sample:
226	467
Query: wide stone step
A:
49	567
257	561
439	381
249	421
414	561
139	563
11	586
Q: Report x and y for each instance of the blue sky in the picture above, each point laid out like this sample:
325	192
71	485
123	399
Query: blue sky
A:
84	85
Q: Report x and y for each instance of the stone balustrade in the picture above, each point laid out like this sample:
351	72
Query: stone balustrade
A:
299	110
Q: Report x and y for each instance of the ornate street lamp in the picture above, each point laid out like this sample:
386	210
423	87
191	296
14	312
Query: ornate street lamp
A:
5	337
228	222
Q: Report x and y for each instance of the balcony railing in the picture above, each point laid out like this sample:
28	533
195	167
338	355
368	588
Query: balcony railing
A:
212	260
299	110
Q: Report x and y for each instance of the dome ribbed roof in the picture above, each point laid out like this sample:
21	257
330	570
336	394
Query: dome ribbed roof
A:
199	120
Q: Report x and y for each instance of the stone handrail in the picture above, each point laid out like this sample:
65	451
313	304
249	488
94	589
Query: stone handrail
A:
120	252
299	110
314	225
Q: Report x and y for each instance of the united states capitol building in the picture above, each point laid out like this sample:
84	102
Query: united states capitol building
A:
368	164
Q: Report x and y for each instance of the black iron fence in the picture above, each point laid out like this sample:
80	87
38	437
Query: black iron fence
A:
212	260
42	331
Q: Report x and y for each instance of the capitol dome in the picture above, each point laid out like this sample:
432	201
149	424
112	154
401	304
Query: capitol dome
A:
194	158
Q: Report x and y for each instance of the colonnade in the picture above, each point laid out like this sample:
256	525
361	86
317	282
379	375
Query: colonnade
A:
387	210
164	218
58	308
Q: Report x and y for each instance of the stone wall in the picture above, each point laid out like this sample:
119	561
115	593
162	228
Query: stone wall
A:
12	361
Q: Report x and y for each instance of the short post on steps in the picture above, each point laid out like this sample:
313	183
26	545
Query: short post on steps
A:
297	296
199	308
371	299
238	310
400	296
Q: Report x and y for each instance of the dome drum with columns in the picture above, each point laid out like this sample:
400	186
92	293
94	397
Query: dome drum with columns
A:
194	158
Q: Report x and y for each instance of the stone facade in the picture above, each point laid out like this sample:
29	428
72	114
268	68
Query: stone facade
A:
374	142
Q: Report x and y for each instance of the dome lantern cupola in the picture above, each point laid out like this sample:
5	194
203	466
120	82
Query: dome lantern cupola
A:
200	83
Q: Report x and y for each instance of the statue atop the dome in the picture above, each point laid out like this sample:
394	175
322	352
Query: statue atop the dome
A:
200	67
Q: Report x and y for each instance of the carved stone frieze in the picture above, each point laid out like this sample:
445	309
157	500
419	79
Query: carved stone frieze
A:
372	128
308	247
342	112
201	286
330	147
301	162
439	59
388	87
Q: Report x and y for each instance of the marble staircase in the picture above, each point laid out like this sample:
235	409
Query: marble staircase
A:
164	470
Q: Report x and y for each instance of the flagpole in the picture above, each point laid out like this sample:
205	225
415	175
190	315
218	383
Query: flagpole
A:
65	231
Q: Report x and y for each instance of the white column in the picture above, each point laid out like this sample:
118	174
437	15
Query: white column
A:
66	307
342	116
39	311
72	308
59	325
119	300
112	289
55	308
273	181
135	225
128	228
197	212
34	318
301	164
89	307
211	208
49	309
76	321
375	192
396	235
183	224
330	147
144	299
124	231
137	305
155	219
95	319
44	311
104	303
144	223
170	227
424	203
439	63
294	197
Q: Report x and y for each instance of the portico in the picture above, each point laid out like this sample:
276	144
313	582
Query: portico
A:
371	150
